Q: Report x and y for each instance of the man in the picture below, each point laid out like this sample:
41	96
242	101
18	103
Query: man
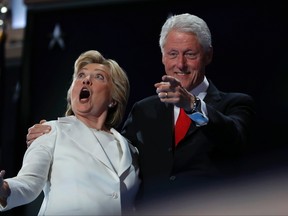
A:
219	123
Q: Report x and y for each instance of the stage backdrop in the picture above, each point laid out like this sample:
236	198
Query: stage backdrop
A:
250	56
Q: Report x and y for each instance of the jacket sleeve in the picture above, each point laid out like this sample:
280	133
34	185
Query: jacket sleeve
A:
33	175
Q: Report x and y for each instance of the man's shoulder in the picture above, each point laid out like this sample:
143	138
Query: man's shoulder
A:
239	95
150	104
148	100
230	94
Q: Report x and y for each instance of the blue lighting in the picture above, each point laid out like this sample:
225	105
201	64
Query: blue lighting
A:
18	14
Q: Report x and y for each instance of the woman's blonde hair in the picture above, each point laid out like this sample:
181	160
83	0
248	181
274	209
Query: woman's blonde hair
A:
120	86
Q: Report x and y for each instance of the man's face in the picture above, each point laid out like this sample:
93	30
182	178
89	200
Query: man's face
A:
185	59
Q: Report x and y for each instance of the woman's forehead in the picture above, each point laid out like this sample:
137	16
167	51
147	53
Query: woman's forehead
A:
95	67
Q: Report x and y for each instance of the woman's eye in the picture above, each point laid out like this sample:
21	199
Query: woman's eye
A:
80	75
99	76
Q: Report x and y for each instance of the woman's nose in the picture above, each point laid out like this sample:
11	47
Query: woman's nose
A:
87	80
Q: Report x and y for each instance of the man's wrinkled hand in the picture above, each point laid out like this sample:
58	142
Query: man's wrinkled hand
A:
35	131
2	173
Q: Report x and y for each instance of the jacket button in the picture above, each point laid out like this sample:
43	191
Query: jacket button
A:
172	178
170	149
114	195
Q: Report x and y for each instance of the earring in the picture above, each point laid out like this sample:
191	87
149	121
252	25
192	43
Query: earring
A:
110	105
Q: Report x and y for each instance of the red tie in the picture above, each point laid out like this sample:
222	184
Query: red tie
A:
182	126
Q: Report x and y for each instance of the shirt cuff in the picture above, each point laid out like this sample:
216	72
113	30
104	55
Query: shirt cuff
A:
199	118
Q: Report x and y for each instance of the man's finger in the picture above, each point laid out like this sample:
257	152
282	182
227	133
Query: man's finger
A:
39	128
2	173
172	80
32	136
42	121
29	142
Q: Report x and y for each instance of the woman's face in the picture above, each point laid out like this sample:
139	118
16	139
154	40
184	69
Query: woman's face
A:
91	91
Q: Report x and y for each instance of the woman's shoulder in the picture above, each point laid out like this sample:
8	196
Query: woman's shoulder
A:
61	120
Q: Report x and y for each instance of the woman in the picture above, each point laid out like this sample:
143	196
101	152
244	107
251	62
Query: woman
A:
84	166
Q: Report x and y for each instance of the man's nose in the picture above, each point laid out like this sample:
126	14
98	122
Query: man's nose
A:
181	61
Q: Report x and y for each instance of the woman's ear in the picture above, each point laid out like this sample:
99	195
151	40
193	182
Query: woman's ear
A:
112	104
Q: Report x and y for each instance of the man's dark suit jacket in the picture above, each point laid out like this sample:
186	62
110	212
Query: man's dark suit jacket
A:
204	153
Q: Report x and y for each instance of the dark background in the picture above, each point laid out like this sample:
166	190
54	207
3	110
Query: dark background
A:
250	56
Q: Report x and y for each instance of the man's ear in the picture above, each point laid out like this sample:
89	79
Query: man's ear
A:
209	56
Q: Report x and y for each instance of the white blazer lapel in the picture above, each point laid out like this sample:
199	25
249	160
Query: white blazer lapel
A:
83	137
126	159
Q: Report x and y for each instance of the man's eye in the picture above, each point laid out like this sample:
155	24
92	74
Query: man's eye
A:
172	54
190	55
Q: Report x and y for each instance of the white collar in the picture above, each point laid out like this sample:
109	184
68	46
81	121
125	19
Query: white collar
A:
201	90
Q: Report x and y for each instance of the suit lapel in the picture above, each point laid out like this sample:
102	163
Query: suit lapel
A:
126	159
84	138
165	119
211	99
213	95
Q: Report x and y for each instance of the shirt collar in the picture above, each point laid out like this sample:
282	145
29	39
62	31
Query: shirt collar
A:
201	89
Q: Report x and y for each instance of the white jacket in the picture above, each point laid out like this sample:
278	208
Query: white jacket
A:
74	173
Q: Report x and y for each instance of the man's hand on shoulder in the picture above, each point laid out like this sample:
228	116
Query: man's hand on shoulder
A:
35	131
